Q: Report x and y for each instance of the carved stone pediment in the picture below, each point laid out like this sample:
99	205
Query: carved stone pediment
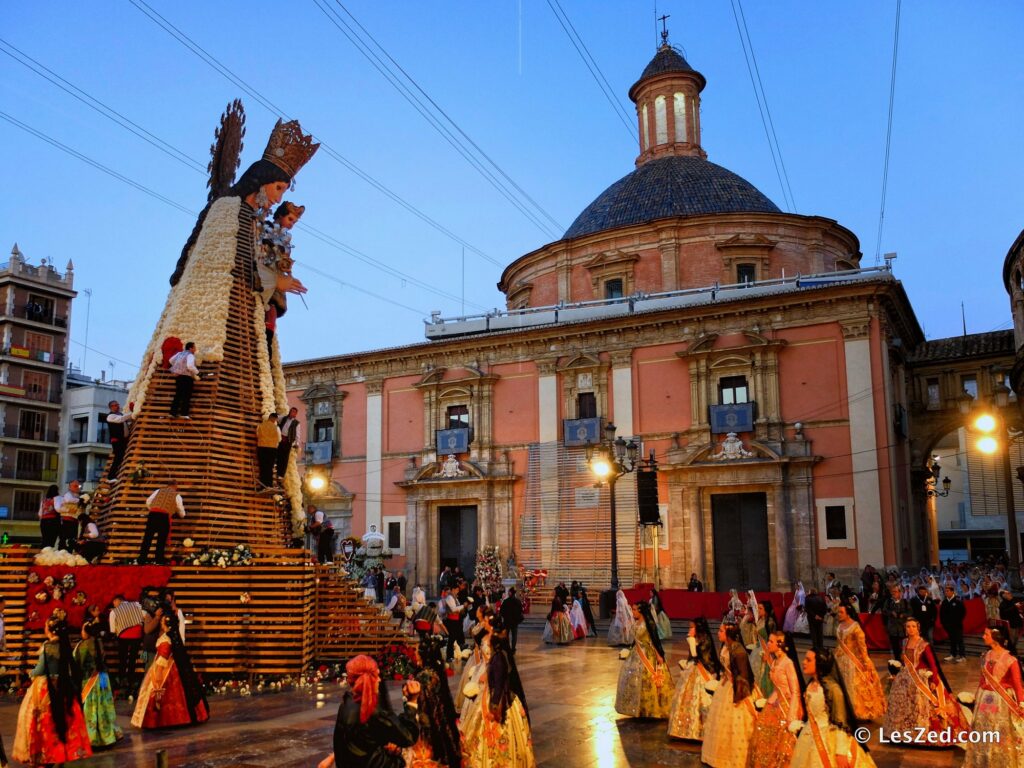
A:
448	469
751	243
463	374
610	265
581	360
731	448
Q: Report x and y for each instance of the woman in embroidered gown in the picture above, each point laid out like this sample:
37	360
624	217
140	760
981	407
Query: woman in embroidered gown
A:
580	628
496	733
736	610
855	667
558	628
645	682
919	696
771	745
620	630
439	742
477	662
825	738
661	619
997	708
748	623
97	695
691	701
171	694
796	618
731	716
51	728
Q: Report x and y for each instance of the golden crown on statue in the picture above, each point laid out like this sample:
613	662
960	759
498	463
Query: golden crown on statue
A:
289	148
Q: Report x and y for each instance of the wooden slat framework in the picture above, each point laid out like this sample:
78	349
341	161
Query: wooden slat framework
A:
347	623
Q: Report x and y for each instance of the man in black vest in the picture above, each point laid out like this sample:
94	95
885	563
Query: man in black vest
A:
289	426
512	612
116	423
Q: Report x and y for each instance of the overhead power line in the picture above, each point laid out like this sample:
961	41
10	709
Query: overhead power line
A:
195	165
888	131
595	70
325	147
762	104
177	206
438	118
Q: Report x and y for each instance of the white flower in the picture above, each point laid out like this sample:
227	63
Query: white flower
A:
965	698
795	726
711	686
471	690
760	704
926	673
188	543
752	646
684	664
624	654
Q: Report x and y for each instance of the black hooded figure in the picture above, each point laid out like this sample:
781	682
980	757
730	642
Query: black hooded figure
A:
588	613
438	720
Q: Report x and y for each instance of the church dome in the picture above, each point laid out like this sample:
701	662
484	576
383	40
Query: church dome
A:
675	185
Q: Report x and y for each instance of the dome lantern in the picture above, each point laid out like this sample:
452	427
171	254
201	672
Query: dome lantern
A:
667	98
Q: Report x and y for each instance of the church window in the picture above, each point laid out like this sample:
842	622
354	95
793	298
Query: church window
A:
746	273
660	121
679	107
586	405
969	384
324	430
835	522
933	393
646	128
613	288
733	390
458	416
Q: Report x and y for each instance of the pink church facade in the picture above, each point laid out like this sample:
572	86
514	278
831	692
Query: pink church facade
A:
743	346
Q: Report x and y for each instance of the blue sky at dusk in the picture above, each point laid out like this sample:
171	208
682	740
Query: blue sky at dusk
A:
507	73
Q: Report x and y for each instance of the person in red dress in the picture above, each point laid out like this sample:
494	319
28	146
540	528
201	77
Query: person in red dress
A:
51	727
171	693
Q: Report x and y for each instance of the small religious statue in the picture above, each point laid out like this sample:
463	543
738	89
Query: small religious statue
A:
511	568
373	542
451	468
732	449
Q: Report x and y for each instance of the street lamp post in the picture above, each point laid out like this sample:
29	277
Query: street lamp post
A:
995	436
613	458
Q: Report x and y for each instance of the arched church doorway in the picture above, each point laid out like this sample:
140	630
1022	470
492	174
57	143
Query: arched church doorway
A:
740	524
457	541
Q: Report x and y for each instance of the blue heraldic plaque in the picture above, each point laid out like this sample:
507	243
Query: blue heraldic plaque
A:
452	440
732	418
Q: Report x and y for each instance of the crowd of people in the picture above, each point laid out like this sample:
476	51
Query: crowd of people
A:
68	709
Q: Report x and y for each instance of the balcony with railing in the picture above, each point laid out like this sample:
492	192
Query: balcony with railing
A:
38	395
34	355
16	431
37	314
28	473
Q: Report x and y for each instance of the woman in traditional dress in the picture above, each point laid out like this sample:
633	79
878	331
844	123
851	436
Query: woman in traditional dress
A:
587	612
691	700
796	617
558	628
731	715
51	728
419	599
171	694
497	730
645	682
97	695
832	602
439	742
997	708
661	618
825	740
580	628
771	745
919	696
748	622
855	667
620	630
736	609
477	662
760	659
367	734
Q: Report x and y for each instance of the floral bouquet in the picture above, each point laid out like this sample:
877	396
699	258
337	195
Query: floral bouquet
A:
220	558
895	667
488	569
398	661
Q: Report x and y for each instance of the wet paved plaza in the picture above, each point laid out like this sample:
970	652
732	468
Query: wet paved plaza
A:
571	694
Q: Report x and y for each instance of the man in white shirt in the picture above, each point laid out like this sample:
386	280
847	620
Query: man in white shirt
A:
116	430
183	366
289	426
163	503
67	508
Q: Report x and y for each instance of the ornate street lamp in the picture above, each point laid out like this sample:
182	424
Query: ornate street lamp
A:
612	458
936	470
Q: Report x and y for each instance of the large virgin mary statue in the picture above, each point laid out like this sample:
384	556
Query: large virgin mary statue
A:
218	298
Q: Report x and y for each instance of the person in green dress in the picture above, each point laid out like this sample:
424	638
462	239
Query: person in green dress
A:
97	695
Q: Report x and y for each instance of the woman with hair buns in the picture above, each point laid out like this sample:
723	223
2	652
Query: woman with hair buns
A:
645	682
731	716
771	744
857	669
97	695
691	701
51	728
367	734
998	707
171	693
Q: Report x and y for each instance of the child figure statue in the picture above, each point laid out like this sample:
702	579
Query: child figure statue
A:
275	266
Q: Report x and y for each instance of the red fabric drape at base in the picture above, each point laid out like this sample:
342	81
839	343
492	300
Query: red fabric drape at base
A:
682	604
975	623
99	584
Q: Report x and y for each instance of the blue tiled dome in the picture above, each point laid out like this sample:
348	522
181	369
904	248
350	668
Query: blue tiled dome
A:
667	187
